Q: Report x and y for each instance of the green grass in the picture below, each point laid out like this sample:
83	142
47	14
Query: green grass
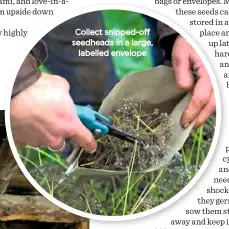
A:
122	195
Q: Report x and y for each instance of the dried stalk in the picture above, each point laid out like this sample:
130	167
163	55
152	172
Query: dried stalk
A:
113	154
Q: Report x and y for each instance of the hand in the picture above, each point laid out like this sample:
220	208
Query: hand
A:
202	103
44	113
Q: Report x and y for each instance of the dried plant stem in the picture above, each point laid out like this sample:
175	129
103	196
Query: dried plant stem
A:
140	200
96	195
88	205
116	118
139	119
131	187
28	160
130	170
116	155
89	163
52	190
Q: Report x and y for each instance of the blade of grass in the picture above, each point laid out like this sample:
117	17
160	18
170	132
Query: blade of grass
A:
48	156
40	161
209	121
184	158
192	150
200	139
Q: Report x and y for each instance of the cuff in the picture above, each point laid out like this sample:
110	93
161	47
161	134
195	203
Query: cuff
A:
27	75
29	72
167	37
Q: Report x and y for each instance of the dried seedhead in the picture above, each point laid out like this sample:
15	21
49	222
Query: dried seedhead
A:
113	154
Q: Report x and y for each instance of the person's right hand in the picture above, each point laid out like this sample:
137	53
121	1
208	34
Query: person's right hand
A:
44	114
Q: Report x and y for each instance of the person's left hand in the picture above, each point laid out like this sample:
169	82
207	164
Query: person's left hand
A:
202	103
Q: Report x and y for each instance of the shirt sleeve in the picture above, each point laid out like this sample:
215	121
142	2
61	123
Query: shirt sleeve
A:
29	71
167	37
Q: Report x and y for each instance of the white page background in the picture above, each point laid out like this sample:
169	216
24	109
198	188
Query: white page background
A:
14	50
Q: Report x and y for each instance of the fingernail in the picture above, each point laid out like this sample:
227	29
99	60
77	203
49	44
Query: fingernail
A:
186	125
93	151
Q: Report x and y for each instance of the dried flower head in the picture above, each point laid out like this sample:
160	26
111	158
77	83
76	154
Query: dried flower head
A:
113	154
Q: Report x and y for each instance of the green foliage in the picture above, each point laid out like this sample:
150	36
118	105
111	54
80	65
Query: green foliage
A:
122	195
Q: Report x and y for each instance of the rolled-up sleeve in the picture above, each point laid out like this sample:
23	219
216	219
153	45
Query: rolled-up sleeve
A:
167	37
29	71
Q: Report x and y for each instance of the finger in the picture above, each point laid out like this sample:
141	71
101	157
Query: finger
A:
35	144
208	109
199	99
181	66
19	144
83	136
56	144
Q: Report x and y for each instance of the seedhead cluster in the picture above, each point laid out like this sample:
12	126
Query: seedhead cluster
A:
114	154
